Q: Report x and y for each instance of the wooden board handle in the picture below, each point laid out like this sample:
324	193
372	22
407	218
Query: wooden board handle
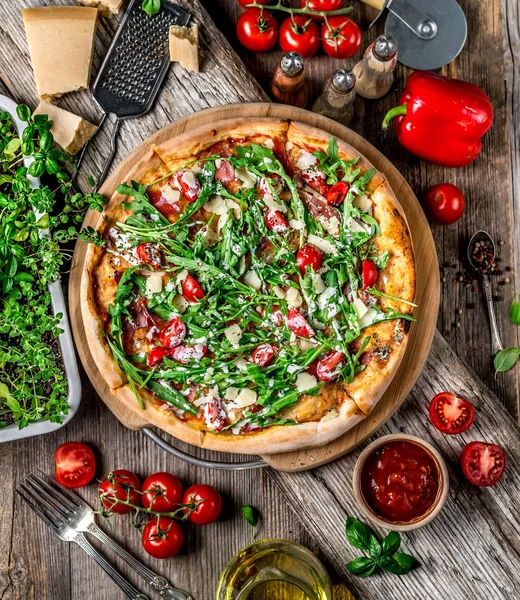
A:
379	4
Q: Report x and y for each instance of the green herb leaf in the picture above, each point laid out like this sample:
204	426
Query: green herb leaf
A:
23	112
374	547
151	7
399	563
362	566
391	542
514	311
358	534
506	359
251	514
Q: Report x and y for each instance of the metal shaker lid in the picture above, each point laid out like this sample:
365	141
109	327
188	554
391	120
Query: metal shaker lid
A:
385	47
292	64
344	80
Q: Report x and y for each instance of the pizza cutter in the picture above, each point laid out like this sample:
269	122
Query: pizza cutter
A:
429	33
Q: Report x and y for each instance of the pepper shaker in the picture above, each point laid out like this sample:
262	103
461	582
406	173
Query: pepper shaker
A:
375	72
289	84
337	98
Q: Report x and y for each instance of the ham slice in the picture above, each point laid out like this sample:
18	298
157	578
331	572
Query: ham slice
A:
318	206
225	172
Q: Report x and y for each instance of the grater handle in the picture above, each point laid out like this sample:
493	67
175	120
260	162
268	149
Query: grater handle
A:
110	158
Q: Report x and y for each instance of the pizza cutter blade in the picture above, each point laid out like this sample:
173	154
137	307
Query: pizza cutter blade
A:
429	33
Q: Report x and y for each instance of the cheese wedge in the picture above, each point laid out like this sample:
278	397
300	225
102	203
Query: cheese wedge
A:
107	8
61	42
184	46
70	131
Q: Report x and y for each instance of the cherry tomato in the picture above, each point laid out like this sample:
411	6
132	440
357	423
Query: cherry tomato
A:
191	289
337	193
298	324
246	2
343	39
149	254
210	503
162	537
166	208
482	464
257	29
450	414
126	487
275	221
185	354
264	355
188	184
161	492
370	274
156	355
321	6
309	255
316	180
444	204
74	464
299	34
173	333
330	365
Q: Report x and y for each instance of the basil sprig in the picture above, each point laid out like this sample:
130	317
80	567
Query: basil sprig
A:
507	358
383	555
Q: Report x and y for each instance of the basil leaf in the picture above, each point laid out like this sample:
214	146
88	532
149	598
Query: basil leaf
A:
358	534
251	514
506	359
23	112
391	542
374	547
399	563
362	566
151	7
514	311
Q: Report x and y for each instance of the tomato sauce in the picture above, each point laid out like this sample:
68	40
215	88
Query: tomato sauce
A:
400	481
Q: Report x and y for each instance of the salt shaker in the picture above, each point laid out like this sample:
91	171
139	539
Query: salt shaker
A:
337	98
289	84
375	72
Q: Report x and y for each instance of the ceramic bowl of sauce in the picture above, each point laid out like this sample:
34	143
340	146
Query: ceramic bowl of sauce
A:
400	482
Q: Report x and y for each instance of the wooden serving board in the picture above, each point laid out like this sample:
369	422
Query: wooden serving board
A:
428	282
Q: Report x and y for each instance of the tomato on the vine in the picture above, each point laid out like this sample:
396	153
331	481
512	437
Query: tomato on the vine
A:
300	34
74	464
120	485
451	414
342	38
161	492
257	29
444	204
162	537
483	464
208	501
321	6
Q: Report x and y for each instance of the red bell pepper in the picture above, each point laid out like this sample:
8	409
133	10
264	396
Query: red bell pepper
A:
441	120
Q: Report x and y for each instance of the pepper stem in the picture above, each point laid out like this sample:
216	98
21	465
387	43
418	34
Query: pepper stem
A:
397	111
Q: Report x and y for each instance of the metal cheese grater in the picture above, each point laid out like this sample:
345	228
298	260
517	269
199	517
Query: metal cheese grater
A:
135	66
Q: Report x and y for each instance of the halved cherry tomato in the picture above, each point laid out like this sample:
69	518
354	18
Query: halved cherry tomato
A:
156	355
121	485
482	464
370	274
297	323
173	333
161	492
444	204
329	366
264	355
299	34
309	255
185	354
342	39
215	415
337	193
275	221
149	254
257	29
74	464
188	184
191	289
321	6
450	414
162	537
209	503
316	179
166	208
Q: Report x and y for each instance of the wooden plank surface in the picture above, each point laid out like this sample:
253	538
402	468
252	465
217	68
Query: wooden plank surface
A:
34	565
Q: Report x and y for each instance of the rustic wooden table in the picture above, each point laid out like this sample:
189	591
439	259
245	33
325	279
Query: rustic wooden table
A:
472	549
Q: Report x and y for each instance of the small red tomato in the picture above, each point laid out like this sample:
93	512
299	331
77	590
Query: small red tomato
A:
149	254
321	6
316	179
191	289
482	464
125	485
173	333
343	39
444	204
185	354
164	206
298	324
275	221
156	355
450	414
208	501
329	366
370	274
264	355
161	492
257	29
188	184
74	464
299	34
162	537
337	193
309	255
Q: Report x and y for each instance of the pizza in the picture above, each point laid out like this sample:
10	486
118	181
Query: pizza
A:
249	287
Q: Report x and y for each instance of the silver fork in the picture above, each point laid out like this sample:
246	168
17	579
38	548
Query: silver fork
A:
79	517
47	511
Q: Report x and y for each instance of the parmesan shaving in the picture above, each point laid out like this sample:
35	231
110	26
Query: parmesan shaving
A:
305	381
322	244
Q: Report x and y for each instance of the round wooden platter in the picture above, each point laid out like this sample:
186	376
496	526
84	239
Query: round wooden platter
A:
428	282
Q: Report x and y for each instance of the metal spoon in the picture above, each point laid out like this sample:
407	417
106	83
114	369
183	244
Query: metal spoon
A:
483	236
